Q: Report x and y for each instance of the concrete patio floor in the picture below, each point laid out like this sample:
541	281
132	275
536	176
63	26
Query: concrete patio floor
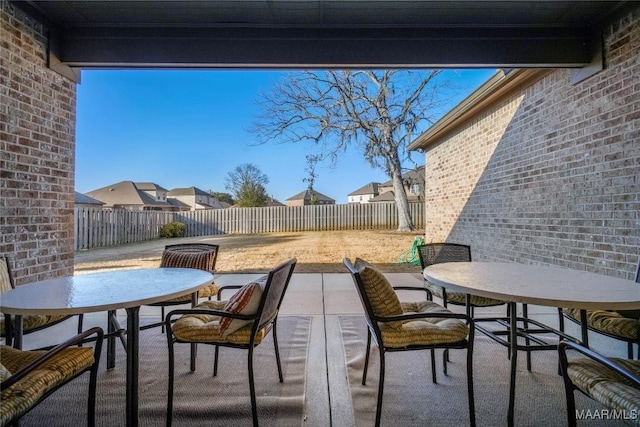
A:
324	297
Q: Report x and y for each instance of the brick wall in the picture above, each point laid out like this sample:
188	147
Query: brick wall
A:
551	174
37	148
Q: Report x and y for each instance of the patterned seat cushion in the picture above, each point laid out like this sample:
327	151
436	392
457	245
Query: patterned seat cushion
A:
206	292
610	322
198	259
32	322
19	398
605	386
201	260
424	331
206	328
461	298
382	297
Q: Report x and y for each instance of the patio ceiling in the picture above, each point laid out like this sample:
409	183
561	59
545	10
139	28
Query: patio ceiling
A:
322	33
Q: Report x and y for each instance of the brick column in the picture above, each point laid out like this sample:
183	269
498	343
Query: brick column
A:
37	149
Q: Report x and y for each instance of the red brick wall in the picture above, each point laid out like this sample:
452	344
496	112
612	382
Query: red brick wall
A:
552	174
37	146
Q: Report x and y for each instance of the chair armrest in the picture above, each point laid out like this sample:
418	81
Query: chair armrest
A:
413	288
562	350
222	288
209	312
78	339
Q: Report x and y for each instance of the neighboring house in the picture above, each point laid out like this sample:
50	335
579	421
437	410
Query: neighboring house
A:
274	202
306	198
141	196
364	194
153	190
413	186
84	201
194	198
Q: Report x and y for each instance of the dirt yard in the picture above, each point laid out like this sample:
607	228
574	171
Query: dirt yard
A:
317	252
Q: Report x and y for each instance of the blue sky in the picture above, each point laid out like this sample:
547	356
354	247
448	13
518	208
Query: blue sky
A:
183	128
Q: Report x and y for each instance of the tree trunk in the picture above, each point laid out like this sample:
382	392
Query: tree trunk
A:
405	223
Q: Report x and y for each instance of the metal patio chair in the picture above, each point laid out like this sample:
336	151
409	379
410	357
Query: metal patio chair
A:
406	326
242	322
623	325
29	377
30	323
612	382
202	256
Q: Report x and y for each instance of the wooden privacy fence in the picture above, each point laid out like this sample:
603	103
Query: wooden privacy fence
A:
98	227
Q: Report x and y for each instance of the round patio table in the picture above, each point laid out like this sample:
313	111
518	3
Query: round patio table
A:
107	291
534	284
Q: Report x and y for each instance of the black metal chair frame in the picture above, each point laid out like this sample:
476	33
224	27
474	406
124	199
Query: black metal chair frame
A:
266	317
374	333
93	370
470	307
584	330
570	388
12	335
180	247
424	264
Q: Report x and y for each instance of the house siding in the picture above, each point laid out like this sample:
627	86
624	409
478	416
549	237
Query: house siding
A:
551	174
37	149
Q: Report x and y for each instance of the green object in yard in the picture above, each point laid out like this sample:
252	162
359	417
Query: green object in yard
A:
411	255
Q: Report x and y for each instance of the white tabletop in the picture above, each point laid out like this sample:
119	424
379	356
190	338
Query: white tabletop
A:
103	291
534	284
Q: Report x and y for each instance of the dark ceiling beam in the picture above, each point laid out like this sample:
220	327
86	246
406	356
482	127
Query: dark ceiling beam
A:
120	47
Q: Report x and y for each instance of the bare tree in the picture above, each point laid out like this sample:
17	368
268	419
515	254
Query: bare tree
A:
379	111
247	182
312	161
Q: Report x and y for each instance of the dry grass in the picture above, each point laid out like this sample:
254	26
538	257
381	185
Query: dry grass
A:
317	252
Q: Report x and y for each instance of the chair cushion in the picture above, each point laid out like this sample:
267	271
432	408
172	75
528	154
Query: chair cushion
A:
609	322
202	260
245	301
206	292
4	372
424	331
5	280
206	328
384	300
460	298
606	386
33	322
19	398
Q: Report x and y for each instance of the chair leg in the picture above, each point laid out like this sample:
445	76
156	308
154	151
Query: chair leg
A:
445	359
629	350
433	366
472	405
80	322
8	330
380	388
93	381
252	389
162	316
171	380
193	355
275	344
215	361
569	391
366	358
